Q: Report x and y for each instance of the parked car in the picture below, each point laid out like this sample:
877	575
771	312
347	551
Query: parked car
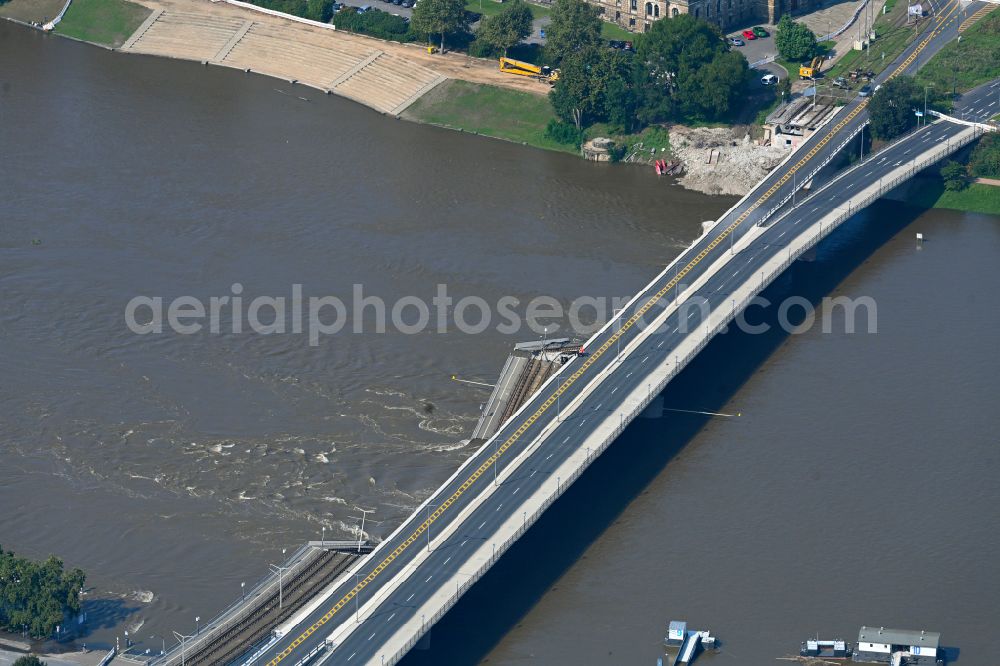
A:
397	2
865	91
760	32
749	35
628	46
616	44
408	3
769	79
736	41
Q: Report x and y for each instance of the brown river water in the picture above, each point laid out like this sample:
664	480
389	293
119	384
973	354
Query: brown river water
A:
859	486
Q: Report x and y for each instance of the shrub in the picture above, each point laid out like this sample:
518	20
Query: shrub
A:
564	133
480	49
953	174
985	161
376	23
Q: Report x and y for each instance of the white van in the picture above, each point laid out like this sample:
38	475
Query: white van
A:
769	79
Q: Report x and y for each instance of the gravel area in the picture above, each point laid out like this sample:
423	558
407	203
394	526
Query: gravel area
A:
737	163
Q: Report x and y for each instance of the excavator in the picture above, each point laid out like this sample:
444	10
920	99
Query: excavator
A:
521	68
811	71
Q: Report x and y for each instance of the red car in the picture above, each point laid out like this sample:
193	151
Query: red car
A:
748	34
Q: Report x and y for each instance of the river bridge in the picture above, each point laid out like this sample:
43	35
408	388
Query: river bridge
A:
379	609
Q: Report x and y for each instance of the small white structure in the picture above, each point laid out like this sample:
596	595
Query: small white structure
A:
676	632
891	646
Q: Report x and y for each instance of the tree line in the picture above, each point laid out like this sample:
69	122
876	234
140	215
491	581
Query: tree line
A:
37	596
681	70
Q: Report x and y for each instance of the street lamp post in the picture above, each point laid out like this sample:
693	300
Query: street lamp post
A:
183	639
618	338
929	85
243	590
357	599
279	571
428	521
197	625
364	514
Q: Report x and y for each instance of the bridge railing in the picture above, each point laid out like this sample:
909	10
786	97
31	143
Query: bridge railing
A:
235	611
767	276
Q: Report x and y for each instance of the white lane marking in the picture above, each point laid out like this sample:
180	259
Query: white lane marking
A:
691	314
532	473
442	564
429	578
394	615
814	209
373	633
410	597
616	388
548	456
644	360
657	346
906	152
481	525
352	656
566	440
628	375
602	404
734	275
783	233
500	507
515	491
582	422
463	543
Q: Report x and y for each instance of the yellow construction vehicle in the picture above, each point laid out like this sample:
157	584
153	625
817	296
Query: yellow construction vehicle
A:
811	71
521	68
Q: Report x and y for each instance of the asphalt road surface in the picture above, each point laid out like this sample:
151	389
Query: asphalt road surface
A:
365	642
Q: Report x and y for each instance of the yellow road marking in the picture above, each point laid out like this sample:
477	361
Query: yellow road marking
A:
967	23
590	360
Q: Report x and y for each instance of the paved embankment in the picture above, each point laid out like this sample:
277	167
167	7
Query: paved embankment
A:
386	76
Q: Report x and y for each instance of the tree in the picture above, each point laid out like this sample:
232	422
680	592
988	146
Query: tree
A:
892	106
985	160
440	17
319	10
30	660
507	28
953	174
794	40
574	26
686	71
594	84
37	595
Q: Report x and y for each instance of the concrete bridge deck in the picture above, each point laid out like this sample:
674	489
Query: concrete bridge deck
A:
413	577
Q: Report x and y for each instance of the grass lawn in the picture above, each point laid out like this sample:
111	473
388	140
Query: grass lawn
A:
491	7
892	36
106	22
976	198
960	66
38	11
489	110
615	31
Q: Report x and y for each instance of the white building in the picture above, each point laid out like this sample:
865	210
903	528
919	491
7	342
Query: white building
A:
897	646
